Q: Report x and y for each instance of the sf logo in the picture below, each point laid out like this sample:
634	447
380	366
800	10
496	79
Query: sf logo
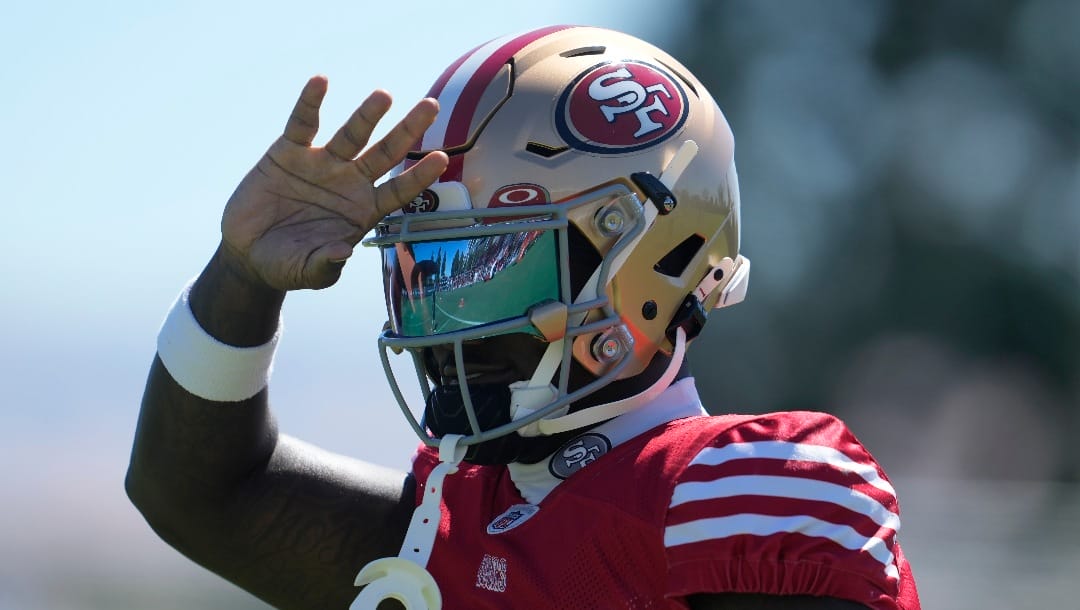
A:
578	456
631	96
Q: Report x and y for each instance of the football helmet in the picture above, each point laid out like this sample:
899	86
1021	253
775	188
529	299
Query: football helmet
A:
591	203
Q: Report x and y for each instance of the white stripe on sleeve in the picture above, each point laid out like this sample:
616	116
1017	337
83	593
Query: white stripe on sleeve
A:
801	452
787	487
765	525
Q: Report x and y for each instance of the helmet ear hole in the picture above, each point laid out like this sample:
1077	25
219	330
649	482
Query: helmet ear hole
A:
679	258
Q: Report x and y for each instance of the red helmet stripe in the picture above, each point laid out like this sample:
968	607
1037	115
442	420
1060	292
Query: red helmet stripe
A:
460	92
435	92
437	87
450	86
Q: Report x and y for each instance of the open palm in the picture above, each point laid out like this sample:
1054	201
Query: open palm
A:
295	218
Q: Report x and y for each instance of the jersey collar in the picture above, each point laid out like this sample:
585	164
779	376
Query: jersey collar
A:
535	481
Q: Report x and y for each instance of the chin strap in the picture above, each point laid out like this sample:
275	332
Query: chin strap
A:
599	413
404	578
527	397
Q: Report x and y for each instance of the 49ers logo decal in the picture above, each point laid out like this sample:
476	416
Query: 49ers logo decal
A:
426	201
578	453
620	107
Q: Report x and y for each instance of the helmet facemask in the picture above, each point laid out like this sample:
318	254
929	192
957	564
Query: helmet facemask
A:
460	297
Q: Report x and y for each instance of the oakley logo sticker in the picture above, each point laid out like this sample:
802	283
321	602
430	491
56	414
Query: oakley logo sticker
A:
426	201
578	453
513	517
513	195
519	194
620	107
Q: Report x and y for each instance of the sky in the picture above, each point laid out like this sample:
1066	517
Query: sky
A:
127	126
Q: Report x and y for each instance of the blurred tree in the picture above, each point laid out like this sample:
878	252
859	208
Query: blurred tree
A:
909	170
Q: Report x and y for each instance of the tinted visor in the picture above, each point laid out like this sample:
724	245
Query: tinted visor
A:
443	286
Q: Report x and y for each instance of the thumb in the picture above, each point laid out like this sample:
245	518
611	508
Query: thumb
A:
324	266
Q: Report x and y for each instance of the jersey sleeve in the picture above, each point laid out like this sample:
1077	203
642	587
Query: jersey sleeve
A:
787	504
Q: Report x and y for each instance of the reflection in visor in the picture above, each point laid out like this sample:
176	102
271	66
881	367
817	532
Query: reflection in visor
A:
443	286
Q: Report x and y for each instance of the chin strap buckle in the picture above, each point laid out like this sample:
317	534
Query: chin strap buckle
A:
723	285
690	317
656	191
404	578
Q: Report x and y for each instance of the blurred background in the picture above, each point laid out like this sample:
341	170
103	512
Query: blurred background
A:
910	178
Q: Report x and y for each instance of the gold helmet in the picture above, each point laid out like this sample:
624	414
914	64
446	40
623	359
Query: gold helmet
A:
591	201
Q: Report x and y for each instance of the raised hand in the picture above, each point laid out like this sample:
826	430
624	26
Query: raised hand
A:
295	218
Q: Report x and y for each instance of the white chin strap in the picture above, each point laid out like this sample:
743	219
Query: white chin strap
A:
599	413
405	578
528	397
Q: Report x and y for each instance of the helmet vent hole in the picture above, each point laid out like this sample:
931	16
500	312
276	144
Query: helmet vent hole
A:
578	52
678	259
545	150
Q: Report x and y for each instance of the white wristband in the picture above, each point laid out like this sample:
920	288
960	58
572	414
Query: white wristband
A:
207	367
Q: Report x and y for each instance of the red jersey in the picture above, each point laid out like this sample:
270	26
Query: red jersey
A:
786	503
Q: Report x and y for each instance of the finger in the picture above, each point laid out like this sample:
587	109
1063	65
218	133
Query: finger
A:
391	149
303	123
353	135
401	189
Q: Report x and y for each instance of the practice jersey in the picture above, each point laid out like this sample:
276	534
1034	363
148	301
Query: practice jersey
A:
786	503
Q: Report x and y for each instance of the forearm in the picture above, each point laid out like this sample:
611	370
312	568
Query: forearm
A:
189	449
285	520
